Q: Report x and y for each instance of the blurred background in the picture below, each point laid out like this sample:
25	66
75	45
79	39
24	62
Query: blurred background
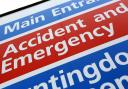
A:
9	5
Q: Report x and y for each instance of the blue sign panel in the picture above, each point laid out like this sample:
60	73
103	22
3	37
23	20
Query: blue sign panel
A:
47	16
